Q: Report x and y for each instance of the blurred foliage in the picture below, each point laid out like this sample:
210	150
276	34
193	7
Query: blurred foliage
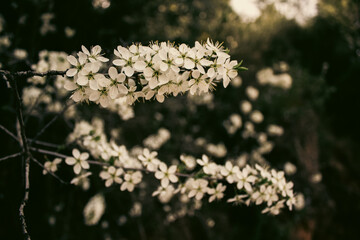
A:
319	114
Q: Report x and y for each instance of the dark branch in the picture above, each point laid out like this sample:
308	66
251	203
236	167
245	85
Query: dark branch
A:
25	199
11	156
46	144
51	122
19	114
50	172
9	133
48	152
30	73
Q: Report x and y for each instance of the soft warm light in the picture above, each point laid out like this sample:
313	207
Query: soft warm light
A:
101	4
247	9
300	10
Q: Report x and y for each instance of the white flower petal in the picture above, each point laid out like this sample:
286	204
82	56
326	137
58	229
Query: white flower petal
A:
129	71
72	60
84	164
77	168
122	89
71	72
189	64
104	101
76	153
70	86
105	175
82	80
70	161
160	98
84	49
84	156
140	66
113	73
118	62
109	182
94	96
173	178
165	182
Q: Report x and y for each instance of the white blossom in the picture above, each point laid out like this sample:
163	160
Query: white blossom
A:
164	193
82	180
208	167
112	175
130	180
216	193
230	172
95	54
189	161
245	180
166	175
78	160
149	159
198	188
51	166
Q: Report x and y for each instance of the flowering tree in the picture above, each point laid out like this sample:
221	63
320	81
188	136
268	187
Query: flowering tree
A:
292	111
145	72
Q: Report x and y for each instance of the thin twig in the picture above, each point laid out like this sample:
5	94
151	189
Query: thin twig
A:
11	156
50	172
9	133
56	154
46	144
50	123
19	114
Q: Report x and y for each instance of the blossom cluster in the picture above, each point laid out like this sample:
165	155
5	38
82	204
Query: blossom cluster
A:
153	71
49	96
197	180
53	93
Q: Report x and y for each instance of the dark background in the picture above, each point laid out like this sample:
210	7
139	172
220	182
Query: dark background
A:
319	114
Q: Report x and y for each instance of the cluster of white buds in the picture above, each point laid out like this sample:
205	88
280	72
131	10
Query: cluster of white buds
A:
126	168
51	95
157	70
